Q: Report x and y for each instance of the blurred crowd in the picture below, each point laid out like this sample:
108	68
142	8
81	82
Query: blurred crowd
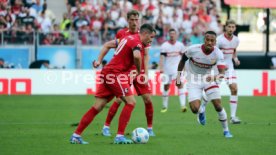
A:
96	21
20	19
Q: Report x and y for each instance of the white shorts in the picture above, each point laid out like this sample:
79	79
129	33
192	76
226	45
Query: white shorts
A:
168	78
195	91
230	76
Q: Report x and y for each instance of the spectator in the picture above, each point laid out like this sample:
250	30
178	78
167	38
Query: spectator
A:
37	6
48	13
40	63
122	22
45	23
28	19
159	31
29	34
196	37
58	37
2	63
109	28
48	39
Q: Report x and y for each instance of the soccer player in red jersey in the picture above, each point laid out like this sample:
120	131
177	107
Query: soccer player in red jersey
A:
143	89
113	82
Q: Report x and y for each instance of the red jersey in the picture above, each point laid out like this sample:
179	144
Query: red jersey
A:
126	32
123	59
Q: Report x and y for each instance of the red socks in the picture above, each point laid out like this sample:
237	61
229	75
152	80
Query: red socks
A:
124	118
149	113
86	120
111	113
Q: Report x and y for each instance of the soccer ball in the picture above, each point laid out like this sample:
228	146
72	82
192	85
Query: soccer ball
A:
140	136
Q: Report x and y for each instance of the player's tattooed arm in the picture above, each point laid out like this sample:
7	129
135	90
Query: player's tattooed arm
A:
146	60
106	47
137	59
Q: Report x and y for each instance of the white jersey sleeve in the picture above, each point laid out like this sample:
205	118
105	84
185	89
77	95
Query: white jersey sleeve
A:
189	51
220	59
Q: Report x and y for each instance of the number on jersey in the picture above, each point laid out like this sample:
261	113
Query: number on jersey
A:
120	46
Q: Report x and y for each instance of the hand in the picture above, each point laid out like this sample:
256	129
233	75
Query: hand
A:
178	82
96	64
237	61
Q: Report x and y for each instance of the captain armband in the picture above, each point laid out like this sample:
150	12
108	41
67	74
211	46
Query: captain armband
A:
136	48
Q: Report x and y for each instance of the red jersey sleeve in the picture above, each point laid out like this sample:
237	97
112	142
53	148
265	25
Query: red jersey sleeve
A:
135	44
118	35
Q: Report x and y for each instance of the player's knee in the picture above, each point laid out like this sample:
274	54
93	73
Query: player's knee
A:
234	89
118	100
146	99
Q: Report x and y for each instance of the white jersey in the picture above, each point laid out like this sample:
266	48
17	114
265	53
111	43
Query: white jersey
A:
228	47
200	63
173	54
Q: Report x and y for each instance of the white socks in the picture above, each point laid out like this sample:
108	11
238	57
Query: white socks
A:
223	119
165	99
233	105
105	127
76	135
182	97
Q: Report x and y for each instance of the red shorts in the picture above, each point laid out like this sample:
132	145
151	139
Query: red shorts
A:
113	85
141	87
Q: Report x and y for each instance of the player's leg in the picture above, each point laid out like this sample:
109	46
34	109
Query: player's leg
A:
149	113
194	97
167	82
234	103
143	89
231	80
110	115
124	119
213	94
87	119
182	97
121	88
204	102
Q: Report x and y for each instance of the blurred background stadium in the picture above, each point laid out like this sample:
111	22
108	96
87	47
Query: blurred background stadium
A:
47	48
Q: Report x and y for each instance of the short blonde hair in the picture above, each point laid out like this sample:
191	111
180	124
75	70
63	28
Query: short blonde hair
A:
230	21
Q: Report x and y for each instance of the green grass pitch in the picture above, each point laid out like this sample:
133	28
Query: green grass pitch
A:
41	125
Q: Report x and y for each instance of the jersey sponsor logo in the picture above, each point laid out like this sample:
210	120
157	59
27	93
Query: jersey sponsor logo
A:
173	54
202	65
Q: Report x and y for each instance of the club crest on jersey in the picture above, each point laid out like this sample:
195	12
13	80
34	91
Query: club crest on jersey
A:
126	90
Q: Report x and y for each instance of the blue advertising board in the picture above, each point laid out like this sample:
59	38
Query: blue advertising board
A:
15	57
91	54
59	57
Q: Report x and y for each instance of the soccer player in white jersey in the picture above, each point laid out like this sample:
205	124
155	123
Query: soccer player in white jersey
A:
171	53
201	59
228	44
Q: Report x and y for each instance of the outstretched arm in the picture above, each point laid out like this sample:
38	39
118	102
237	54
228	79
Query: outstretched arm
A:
106	47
